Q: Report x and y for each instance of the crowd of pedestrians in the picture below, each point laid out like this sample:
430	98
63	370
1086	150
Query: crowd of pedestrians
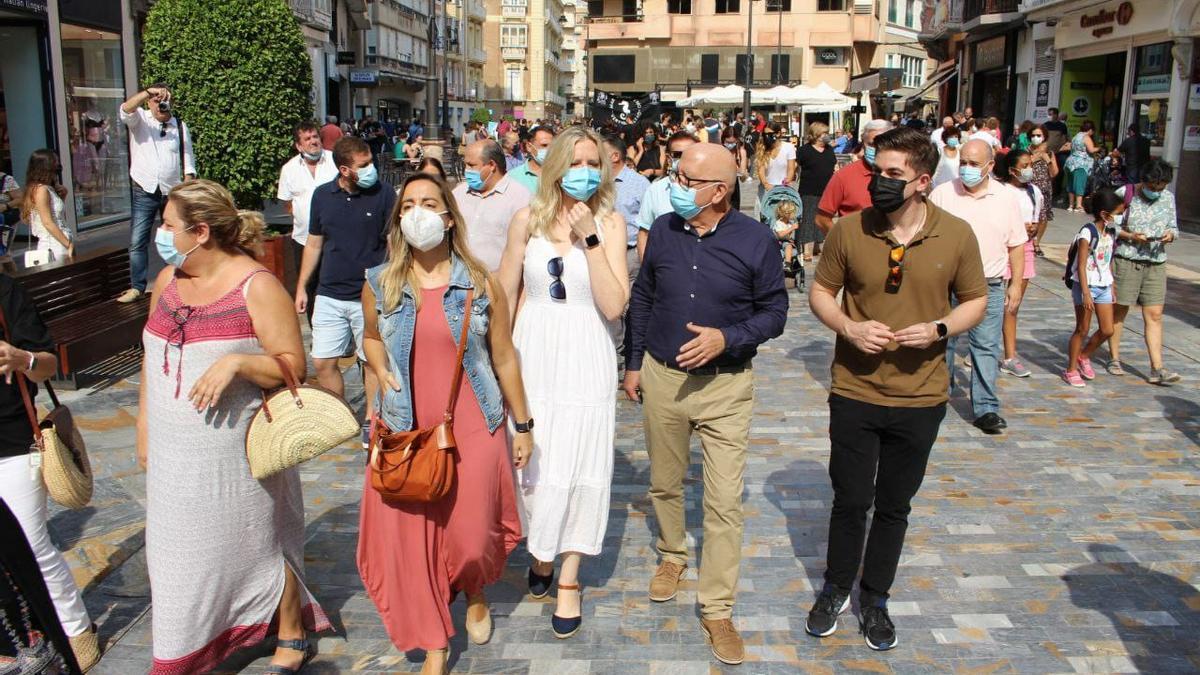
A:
565	256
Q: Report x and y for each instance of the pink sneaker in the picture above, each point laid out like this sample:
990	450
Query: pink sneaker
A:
1085	368
1072	378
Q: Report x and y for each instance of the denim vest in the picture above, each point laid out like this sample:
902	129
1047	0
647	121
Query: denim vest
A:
397	328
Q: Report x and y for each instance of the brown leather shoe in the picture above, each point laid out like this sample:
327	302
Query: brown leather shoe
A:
665	583
726	643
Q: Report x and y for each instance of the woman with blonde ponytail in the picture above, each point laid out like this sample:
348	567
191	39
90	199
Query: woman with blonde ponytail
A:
414	306
216	326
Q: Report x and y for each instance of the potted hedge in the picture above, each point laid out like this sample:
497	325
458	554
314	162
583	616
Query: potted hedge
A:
241	79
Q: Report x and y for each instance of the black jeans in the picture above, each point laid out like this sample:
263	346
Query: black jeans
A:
877	458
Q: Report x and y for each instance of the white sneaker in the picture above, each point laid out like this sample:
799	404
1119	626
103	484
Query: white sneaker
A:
130	295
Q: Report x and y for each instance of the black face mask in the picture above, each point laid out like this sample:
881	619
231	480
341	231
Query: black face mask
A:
887	194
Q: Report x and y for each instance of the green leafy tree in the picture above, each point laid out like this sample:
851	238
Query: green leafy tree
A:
481	115
240	78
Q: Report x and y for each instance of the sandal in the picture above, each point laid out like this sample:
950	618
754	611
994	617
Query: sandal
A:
309	649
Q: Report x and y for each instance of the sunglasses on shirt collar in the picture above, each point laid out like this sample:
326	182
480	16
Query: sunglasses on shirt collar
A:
895	269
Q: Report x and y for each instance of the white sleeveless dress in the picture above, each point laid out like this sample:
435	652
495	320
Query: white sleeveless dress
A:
36	228
570	372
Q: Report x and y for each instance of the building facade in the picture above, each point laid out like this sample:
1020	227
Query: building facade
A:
574	56
528	78
331	37
462	60
680	46
1118	63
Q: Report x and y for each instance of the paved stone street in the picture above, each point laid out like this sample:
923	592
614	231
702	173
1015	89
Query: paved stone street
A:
1069	544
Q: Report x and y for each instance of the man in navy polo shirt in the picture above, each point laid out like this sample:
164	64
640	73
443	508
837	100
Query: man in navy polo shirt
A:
347	235
710	291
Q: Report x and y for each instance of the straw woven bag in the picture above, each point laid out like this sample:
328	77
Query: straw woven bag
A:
296	423
418	466
65	467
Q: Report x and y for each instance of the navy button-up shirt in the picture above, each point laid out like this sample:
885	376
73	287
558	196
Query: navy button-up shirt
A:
731	278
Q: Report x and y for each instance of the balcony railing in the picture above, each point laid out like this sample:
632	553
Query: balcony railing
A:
512	53
477	55
509	12
476	11
977	9
630	27
315	13
623	18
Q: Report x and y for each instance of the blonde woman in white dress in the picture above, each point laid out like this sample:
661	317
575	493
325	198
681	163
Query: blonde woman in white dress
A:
42	206
564	264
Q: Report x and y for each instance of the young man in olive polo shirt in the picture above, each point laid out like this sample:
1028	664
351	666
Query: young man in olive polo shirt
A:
896	262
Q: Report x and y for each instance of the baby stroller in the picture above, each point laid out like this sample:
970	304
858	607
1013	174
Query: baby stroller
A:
767	206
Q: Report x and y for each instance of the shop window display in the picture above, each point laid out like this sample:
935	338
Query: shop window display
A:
99	156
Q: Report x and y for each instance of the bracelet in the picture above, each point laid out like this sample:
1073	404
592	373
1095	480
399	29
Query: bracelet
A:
32	362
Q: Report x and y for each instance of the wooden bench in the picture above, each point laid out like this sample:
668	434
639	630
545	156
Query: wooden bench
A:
77	300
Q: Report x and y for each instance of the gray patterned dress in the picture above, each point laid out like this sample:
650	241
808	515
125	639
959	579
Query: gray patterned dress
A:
217	539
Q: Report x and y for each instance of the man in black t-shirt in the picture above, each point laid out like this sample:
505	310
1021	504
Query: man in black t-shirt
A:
1134	152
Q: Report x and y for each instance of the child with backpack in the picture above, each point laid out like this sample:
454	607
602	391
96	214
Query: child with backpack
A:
1089	276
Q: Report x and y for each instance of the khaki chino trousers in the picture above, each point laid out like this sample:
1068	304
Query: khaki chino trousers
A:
718	408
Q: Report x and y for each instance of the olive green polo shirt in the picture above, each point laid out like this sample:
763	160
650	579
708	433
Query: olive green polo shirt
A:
942	258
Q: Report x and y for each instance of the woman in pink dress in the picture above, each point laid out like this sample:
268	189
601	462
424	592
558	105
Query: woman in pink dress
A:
415	558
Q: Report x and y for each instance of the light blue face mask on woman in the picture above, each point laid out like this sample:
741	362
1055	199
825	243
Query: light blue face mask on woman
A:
164	242
581	182
869	155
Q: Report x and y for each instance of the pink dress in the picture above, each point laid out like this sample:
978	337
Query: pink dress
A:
413	558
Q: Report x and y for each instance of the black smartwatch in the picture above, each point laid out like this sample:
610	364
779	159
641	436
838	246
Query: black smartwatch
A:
523	428
942	329
592	240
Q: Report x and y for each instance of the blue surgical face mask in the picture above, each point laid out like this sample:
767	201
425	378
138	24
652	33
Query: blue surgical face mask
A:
366	177
683	201
869	155
952	142
475	179
581	182
540	156
1151	194
970	175
164	241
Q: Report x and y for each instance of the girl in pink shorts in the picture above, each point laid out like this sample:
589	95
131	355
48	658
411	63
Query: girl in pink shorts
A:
1018	175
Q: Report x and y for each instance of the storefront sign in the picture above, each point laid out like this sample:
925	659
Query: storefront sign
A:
1042	97
346	58
1152	84
364	77
989	54
1112	20
1102	22
35	6
1191	138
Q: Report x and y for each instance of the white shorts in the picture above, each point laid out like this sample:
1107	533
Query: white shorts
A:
335	323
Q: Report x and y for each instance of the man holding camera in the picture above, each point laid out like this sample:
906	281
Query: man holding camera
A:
160	157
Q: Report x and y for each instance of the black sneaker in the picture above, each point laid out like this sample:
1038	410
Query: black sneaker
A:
823	617
877	628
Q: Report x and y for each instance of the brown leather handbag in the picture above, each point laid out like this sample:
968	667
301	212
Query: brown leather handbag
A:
418	466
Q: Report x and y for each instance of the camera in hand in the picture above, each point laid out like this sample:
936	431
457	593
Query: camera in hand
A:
164	106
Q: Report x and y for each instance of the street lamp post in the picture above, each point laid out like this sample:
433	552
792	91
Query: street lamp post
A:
432	133
748	69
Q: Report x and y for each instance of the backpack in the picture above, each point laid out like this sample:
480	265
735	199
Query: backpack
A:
1073	254
1094	239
